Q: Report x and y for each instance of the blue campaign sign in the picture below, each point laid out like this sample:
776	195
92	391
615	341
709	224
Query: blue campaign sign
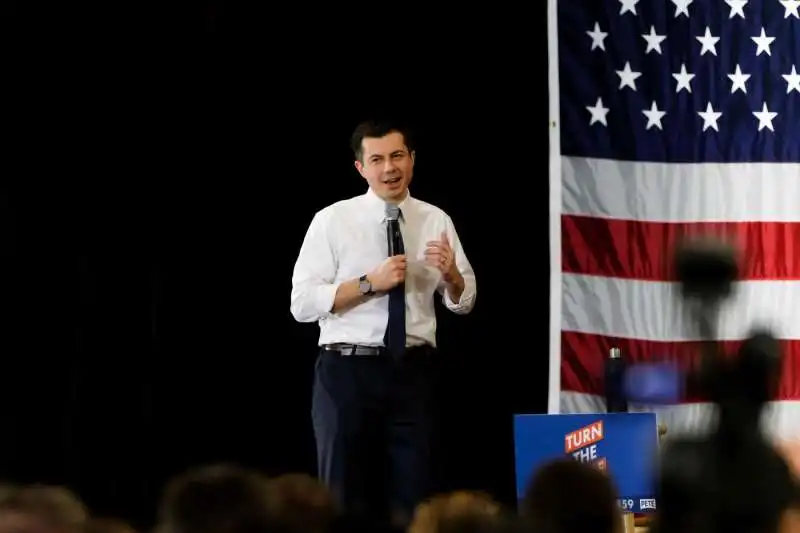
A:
623	444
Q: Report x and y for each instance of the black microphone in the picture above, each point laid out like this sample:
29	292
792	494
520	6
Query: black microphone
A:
616	400
393	235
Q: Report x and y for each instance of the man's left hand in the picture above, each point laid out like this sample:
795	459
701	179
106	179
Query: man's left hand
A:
440	255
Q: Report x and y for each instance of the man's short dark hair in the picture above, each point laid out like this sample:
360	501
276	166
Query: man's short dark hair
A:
376	129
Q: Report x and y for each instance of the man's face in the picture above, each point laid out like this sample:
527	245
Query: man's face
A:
387	166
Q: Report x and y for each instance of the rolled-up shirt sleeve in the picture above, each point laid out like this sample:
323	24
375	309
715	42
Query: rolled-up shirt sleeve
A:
467	301
313	286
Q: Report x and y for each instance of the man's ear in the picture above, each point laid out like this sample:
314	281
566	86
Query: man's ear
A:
413	157
359	167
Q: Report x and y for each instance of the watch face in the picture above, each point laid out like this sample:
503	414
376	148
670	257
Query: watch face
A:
364	287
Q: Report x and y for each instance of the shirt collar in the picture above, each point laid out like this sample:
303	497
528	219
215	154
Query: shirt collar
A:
377	205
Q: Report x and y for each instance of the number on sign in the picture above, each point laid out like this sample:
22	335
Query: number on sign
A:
626	504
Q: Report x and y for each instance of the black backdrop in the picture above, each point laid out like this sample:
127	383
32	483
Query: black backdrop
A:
163	160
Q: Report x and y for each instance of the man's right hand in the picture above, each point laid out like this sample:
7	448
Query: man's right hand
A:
389	274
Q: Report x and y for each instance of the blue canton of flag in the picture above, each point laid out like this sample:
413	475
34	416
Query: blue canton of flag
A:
680	80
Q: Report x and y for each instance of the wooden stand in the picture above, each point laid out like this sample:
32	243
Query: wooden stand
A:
629	523
640	524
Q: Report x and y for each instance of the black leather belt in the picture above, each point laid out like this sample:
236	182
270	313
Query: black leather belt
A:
354	349
359	350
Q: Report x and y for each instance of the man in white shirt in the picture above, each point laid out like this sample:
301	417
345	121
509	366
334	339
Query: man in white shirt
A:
377	325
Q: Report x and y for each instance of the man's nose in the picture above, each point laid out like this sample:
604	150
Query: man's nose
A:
389	165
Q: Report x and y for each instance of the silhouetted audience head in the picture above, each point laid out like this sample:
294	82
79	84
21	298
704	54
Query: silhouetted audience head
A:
790	450
458	512
41	509
215	499
300	503
108	525
790	522
566	496
563	496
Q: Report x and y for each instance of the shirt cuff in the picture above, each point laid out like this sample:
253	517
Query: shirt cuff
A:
326	294
456	306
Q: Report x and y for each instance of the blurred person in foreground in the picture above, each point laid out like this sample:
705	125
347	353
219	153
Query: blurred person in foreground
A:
108	525
791	519
459	512
790	450
567	496
216	499
372	397
299	503
41	509
790	522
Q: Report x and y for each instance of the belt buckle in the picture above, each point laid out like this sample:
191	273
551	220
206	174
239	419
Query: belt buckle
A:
365	351
347	350
354	350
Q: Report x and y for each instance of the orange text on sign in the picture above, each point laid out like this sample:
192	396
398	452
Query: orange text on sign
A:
585	436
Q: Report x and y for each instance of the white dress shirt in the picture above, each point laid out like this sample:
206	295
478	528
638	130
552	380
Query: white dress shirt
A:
347	240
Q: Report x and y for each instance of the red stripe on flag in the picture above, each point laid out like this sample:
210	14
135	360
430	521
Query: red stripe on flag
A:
643	250
584	356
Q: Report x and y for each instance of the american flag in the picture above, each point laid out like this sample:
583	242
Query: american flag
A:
671	118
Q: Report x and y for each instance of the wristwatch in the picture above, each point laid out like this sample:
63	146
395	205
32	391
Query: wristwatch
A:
365	286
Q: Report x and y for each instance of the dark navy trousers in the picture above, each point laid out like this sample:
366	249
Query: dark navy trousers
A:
372	423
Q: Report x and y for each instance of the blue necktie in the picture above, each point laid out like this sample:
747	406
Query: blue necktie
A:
395	337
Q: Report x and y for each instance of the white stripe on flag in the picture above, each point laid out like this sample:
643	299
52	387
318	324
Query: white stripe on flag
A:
653	310
672	192
780	420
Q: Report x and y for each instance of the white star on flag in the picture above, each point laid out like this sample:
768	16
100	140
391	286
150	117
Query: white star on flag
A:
791	7
684	79
682	7
765	117
737	7
598	112
763	42
654	117
628	77
738	80
628	6
708	41
792	81
710	117
598	37
653	40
